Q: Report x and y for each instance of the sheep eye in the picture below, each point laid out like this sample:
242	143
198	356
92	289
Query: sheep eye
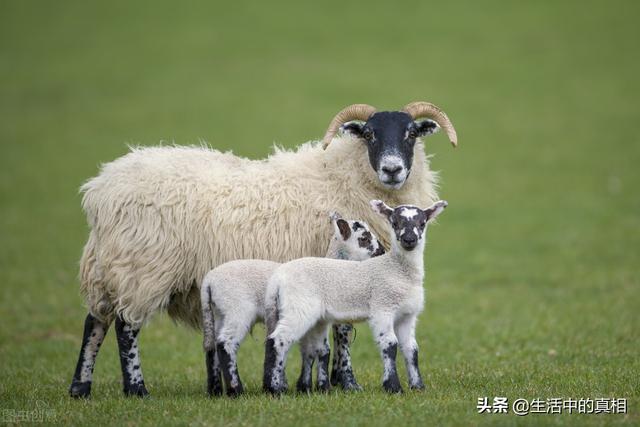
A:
413	134
367	135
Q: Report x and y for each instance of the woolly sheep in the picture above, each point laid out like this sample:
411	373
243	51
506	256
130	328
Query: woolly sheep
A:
161	217
305	294
232	297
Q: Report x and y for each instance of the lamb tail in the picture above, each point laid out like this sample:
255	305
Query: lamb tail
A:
208	321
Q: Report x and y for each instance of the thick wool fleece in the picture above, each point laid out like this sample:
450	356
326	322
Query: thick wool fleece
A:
161	217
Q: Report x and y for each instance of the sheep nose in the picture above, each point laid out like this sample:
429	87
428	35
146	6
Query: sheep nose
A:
391	170
411	240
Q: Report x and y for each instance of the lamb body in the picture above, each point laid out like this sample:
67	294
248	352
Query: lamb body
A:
345	291
304	294
233	296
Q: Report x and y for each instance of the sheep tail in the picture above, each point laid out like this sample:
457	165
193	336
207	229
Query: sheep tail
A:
208	321
271	314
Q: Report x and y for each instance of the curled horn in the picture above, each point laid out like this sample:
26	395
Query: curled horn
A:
352	112
428	110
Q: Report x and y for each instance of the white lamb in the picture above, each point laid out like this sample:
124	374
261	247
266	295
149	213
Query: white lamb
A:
232	298
306	294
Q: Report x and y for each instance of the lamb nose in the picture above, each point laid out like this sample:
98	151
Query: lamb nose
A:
391	170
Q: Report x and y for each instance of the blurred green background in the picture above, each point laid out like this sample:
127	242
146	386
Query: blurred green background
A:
533	274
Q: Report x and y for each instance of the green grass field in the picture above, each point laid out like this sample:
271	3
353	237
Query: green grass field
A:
533	273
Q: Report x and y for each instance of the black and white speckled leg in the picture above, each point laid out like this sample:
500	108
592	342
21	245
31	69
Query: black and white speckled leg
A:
387	342
228	351
335	362
214	375
275	379
342	370
305	382
324	352
269	364
92	338
405	330
132	379
390	380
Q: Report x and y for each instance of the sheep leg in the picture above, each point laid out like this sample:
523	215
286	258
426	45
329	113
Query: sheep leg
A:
228	351
209	330
406	332
305	382
232	332
323	351
315	345
382	327
288	330
92	338
275	379
132	379
214	376
342	370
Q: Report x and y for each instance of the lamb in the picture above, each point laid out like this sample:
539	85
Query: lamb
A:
305	294
161	217
233	300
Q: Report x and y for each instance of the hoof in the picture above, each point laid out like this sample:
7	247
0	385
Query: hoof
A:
214	386
303	387
418	387
215	391
346	380
324	387
136	390
392	386
334	377
235	391
351	386
393	390
79	390
276	391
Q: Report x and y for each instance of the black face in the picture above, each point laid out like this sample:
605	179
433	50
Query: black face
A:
408	223
390	137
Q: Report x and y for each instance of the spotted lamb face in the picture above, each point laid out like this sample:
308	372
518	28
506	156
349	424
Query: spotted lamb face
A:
409	223
358	241
391	137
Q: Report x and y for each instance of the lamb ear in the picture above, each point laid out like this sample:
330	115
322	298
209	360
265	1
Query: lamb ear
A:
380	207
436	209
343	228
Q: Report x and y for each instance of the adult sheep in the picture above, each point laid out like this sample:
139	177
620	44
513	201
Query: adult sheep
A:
162	217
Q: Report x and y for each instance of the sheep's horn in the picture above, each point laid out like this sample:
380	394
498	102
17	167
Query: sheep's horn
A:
352	112
426	109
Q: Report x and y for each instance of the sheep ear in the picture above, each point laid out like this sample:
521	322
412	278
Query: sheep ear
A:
380	207
436	209
353	128
343	228
427	127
